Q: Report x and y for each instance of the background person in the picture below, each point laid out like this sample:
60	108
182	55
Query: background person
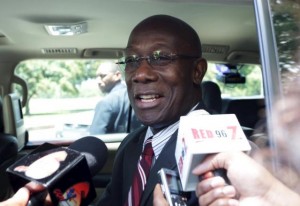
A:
111	112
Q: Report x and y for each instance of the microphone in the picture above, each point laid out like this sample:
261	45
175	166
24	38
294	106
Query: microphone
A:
200	134
94	150
64	172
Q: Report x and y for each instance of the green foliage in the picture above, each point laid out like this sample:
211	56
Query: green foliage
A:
286	21
56	78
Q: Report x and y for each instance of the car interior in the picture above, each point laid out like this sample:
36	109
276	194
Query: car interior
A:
230	32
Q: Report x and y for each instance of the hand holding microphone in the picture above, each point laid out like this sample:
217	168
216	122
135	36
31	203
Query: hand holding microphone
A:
68	178
251	182
200	135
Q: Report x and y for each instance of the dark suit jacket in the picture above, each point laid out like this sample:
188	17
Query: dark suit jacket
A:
125	165
111	113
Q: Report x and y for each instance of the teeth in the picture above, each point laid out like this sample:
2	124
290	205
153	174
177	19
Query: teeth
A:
151	96
148	98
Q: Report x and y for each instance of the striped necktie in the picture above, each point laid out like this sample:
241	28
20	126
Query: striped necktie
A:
141	175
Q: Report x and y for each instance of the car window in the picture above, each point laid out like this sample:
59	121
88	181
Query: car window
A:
286	21
63	97
236	81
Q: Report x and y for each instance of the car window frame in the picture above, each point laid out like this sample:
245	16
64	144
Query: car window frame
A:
270	67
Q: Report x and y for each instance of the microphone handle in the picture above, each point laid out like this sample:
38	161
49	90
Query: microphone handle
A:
222	173
38	198
217	172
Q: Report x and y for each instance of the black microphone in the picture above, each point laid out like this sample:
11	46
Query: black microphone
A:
65	173
94	150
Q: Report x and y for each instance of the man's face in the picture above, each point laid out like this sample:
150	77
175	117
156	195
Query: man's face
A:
105	80
160	95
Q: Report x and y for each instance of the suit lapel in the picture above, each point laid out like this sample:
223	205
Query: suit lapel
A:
166	159
131	156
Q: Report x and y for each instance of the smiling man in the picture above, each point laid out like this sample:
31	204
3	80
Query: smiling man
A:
164	68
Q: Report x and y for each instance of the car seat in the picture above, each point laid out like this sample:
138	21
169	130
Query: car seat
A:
8	154
1	116
211	96
13	117
8	143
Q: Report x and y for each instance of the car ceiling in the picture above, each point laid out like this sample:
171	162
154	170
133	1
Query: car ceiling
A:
226	27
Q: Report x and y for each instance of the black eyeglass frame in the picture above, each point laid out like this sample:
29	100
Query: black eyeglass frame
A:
154	60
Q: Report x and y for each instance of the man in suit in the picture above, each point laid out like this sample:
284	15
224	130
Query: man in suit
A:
163	68
163	71
111	112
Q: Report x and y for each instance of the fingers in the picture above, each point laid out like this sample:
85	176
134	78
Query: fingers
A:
208	184
214	191
34	187
19	199
22	196
39	189
225	202
158	197
205	166
219	196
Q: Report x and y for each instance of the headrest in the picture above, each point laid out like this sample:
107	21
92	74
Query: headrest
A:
211	96
1	116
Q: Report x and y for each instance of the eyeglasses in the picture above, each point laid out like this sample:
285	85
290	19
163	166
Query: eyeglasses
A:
157	59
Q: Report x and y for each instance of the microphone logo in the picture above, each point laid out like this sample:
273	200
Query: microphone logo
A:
74	195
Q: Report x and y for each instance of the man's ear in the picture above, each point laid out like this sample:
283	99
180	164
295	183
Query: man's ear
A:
199	70
117	76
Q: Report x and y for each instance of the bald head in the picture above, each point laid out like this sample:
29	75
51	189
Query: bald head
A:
108	75
184	34
166	86
107	67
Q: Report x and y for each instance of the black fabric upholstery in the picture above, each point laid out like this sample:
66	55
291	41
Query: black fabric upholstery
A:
8	155
8	147
1	117
248	111
211	96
